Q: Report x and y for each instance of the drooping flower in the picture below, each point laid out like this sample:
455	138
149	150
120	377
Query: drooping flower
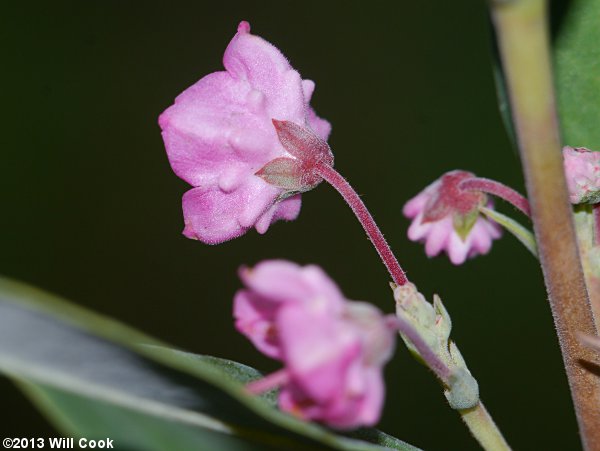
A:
447	218
223	130
582	171
333	350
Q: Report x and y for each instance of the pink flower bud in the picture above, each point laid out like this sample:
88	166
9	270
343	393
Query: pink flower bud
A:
446	217
219	134
582	170
333	349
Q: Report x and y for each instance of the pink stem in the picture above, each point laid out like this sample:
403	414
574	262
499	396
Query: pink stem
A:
497	189
269	382
596	210
331	176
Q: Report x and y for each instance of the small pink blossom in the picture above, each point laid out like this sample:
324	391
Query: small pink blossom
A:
446	218
582	170
333	350
271	285
220	133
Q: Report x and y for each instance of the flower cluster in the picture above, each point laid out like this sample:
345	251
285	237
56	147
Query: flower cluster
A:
220	133
582	170
333	350
446	217
249	143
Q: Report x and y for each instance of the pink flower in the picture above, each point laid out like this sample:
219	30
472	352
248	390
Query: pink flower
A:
220	133
333	350
582	170
447	218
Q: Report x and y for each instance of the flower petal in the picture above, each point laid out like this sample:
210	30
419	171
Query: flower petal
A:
210	126
457	249
251	58
281	280
317	347
417	229
287	209
320	126
254	318
214	216
438	237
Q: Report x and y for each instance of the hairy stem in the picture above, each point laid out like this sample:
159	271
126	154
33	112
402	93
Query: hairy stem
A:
497	189
483	428
332	177
521	27
477	419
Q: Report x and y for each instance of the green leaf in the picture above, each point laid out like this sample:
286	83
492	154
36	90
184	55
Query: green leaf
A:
577	62
94	376
129	428
234	371
244	374
520	232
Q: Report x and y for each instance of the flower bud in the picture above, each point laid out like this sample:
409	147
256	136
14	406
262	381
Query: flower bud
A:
433	324
582	171
446	217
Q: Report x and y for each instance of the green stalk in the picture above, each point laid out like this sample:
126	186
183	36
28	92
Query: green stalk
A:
522	31
483	428
521	233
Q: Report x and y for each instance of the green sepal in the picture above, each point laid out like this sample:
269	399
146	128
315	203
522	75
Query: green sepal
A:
283	173
443	323
463	223
463	390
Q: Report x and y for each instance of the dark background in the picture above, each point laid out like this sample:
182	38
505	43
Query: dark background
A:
91	209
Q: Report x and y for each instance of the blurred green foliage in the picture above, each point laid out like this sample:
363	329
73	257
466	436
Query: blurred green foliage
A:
578	75
91	209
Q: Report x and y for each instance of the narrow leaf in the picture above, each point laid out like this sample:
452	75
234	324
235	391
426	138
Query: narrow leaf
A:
84	369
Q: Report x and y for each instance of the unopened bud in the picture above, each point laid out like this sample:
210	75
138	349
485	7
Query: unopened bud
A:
414	304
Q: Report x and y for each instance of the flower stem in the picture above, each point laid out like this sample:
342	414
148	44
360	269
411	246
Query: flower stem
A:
332	177
521	27
269	382
483	428
498	189
521	233
477	419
